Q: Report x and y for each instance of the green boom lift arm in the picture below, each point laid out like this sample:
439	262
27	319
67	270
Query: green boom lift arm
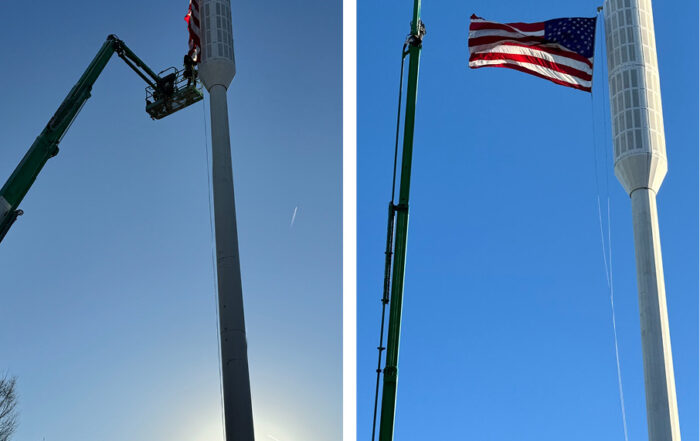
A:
398	266
164	96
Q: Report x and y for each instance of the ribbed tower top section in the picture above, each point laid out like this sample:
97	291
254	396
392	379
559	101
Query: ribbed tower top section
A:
218	65
635	95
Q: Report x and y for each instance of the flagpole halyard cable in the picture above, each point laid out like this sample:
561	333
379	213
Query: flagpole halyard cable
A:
607	256
612	286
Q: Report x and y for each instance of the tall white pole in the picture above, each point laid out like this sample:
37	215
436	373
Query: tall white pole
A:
217	70
640	166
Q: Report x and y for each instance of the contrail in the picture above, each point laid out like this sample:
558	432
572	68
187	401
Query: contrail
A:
294	216
270	436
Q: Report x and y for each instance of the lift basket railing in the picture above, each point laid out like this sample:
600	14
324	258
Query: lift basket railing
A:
172	93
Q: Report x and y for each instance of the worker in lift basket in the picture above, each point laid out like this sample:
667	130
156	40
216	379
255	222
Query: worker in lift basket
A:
189	71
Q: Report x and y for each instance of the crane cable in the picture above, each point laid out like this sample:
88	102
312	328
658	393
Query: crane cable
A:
213	267
607	254
389	246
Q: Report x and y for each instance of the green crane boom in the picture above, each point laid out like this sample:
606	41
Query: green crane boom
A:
391	370
164	96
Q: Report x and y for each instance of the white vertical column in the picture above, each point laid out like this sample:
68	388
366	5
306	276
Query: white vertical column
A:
238	414
640	166
660	388
217	69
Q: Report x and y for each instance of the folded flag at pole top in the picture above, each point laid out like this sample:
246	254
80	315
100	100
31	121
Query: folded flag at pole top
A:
559	50
192	19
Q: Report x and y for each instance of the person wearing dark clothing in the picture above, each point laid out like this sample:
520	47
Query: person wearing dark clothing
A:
189	71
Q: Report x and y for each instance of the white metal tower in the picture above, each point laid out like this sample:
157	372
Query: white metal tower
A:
217	70
640	166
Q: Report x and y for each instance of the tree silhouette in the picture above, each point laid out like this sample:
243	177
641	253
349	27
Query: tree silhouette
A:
8	404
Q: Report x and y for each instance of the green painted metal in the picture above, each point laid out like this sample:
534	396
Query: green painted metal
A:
46	144
127	54
391	371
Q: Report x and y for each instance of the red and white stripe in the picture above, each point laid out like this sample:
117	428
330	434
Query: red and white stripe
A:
521	46
193	26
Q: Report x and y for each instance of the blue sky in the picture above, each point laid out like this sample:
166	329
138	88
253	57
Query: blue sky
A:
507	329
107	297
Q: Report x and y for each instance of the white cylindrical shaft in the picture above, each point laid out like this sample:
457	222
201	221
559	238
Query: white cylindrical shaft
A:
216	70
662	410
640	165
234	353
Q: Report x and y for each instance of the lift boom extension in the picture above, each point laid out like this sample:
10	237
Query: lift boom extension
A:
391	367
164	96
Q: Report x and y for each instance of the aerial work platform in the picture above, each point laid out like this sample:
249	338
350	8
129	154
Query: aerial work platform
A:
166	93
174	92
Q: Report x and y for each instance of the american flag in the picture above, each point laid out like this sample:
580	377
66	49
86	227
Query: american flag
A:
559	50
192	19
